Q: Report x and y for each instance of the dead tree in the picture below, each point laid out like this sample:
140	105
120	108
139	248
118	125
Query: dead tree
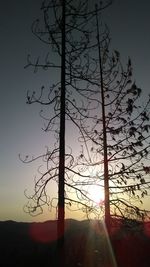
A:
118	137
66	30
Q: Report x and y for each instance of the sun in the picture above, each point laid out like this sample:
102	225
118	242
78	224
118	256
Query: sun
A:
96	193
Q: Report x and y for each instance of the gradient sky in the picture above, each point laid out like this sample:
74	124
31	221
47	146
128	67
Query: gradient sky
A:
129	23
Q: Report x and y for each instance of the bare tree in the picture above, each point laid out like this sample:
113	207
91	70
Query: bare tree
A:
118	138
67	30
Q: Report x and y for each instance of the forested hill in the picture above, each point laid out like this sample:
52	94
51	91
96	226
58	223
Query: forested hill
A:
86	244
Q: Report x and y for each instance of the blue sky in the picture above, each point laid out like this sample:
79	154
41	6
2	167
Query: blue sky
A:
129	23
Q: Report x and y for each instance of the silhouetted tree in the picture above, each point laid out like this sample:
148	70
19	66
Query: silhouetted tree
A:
66	29
118	138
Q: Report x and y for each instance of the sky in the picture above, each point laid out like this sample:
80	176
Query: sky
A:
129	24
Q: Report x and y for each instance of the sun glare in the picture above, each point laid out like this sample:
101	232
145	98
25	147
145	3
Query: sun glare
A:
97	194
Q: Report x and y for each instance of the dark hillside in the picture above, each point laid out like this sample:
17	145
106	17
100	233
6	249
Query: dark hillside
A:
86	244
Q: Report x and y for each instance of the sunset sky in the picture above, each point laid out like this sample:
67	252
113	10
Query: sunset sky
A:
129	23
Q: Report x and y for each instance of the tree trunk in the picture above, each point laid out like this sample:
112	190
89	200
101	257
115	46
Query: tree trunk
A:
106	174
61	186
